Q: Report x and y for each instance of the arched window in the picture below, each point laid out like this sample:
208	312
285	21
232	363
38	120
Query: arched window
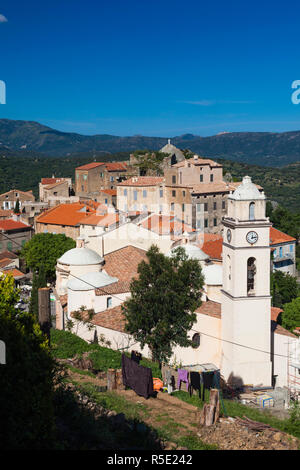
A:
109	302
251	210
251	273
196	340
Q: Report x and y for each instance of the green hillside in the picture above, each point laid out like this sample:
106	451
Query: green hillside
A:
271	149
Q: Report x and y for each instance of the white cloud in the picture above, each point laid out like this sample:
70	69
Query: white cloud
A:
3	19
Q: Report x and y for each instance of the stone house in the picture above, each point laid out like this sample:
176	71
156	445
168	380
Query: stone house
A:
14	235
141	194
65	218
9	199
91	178
283	248
54	187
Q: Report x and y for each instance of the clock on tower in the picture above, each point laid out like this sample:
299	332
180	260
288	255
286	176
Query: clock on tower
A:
246	301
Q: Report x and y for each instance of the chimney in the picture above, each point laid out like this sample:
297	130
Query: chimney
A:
80	242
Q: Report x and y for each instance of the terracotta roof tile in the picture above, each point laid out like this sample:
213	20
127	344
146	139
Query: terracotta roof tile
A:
111	318
90	166
53	185
66	214
281	331
103	220
123	264
14	272
8	254
116	166
50	180
210	308
275	312
5	213
10	224
5	262
218	187
277	237
197	162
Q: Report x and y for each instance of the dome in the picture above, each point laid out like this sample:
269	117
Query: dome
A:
80	257
247	191
172	150
192	252
90	281
213	274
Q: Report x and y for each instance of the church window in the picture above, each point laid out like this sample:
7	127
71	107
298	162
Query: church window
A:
251	210
196	340
109	302
251	273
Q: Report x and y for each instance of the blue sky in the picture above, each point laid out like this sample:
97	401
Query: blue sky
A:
158	67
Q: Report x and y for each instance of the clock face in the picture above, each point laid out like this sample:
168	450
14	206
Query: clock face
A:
251	237
229	235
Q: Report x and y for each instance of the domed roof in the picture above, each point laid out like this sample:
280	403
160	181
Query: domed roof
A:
246	191
90	281
80	257
213	274
192	252
171	150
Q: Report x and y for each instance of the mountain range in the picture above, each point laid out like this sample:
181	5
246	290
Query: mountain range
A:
262	148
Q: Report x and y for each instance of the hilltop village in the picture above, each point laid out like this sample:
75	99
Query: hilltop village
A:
115	211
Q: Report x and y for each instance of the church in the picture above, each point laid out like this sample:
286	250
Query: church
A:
236	328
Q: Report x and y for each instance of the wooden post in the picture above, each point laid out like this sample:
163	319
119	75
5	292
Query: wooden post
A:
111	379
214	400
119	380
211	412
44	311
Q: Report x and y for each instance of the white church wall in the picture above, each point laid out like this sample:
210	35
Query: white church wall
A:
209	350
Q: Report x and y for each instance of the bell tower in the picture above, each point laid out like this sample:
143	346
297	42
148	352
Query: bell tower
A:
246	300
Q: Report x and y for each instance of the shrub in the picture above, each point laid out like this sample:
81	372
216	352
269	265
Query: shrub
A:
26	380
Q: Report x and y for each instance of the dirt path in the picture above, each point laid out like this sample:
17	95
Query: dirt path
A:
167	408
179	418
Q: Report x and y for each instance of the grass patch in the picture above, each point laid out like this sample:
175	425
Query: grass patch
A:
65	344
112	401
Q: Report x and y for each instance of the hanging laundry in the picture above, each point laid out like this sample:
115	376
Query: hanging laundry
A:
195	382
208	381
137	377
136	356
183	376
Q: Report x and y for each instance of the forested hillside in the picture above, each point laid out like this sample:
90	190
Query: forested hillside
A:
25	172
274	149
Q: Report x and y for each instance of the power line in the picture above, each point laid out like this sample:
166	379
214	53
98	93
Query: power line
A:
199	332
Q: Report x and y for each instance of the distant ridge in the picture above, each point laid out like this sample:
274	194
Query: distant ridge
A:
262	148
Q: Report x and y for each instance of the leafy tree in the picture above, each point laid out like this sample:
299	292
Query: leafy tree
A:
163	300
26	380
291	314
284	220
284	288
44	249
